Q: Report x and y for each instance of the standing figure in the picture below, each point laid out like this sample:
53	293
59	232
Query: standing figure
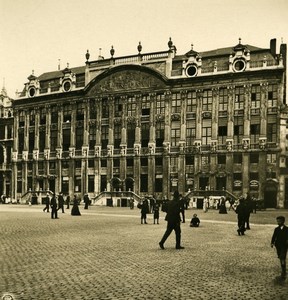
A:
67	202
61	202
156	212
86	201
182	208
47	203
75	208
241	212
222	206
173	221
205	204
249	208
280	241
195	221
54	207
144	211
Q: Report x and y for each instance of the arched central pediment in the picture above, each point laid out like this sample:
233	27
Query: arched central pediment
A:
126	78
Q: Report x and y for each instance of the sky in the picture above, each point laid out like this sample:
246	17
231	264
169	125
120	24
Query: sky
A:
36	34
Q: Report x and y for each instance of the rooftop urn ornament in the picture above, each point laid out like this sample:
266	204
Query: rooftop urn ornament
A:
139	48
87	55
170	43
112	51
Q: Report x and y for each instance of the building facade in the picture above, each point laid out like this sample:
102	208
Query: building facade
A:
156	122
6	143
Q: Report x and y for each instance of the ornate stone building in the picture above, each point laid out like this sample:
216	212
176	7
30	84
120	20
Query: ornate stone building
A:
6	143
156	122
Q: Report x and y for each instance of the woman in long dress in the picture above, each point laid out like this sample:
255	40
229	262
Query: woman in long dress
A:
75	209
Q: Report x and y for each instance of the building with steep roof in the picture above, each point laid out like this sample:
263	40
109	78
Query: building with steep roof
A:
156	122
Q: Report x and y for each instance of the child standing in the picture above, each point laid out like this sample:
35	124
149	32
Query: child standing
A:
194	221
280	241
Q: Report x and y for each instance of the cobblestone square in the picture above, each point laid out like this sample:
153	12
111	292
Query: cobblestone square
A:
107	254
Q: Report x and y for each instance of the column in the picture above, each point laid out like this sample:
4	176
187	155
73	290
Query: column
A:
152	146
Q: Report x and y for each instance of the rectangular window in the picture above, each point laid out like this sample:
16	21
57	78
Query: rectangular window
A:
53	139
254	158
158	161
105	108
158	185
189	160
254	133
207	100
223	99
221	159
92	110
130	135
205	160
144	161
131	106
118	107
31	141
237	157
103	163
206	132
190	134
42	136
90	163
145	130
66	139
175	133
145	105
104	136
92	137
239	98
160	104
77	184
272	95
117	136
222	135
271	132
67	113
32	118
130	162
176	103
20	142
255	96
80	112
79	137
238	130
271	158
159	134
65	164
54	115
90	183
191	102
21	119
42	114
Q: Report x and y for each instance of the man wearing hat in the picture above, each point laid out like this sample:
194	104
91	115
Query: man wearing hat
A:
47	203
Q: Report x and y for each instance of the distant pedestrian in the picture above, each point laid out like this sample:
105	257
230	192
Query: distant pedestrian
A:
173	221
86	201
47	203
182	208
280	241
61	202
54	207
67	202
195	221
205	204
249	209
75	208
156	212
144	206
231	203
241	214
222	206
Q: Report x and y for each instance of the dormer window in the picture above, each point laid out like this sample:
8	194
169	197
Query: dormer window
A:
67	85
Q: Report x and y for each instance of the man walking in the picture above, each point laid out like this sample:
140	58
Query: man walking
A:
54	207
61	202
47	203
173	221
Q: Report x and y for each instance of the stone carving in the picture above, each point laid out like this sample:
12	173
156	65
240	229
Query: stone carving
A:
97	151
262	143
229	145
123	150
137	149
46	154
71	152
35	154
246	144
151	147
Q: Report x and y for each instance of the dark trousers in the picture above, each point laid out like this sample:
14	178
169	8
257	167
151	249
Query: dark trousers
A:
247	217
241	223
46	208
183	215
61	207
170	227
53	212
143	217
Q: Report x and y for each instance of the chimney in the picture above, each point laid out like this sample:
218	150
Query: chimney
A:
273	47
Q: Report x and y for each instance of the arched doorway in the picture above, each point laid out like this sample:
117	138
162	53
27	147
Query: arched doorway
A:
116	184
270	193
129	184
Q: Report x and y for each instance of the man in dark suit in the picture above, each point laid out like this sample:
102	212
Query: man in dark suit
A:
173	221
61	202
280	241
47	203
54	207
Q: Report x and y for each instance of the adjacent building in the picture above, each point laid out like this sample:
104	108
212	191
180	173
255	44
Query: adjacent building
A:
152	123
